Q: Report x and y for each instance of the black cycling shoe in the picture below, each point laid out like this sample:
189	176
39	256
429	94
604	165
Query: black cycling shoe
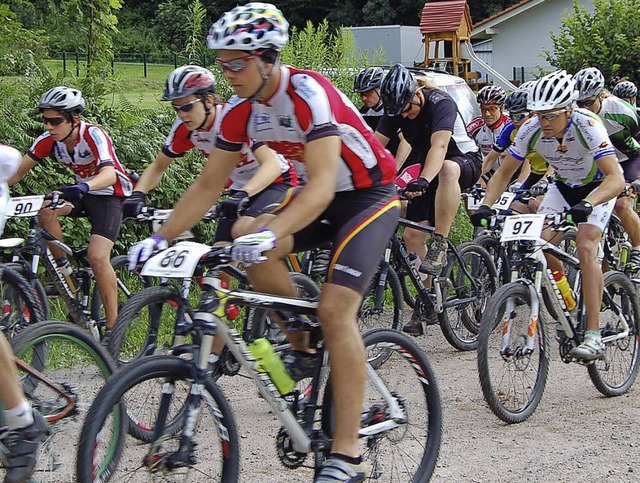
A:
300	364
19	454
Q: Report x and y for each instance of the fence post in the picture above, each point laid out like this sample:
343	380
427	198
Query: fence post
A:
113	69
64	61
77	64
144	60
175	60
522	73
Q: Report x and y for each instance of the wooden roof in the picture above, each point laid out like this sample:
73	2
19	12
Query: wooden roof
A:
443	16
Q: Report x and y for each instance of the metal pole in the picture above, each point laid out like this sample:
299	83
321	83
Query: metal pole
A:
144	60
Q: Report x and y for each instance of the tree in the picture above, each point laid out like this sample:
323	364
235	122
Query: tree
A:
606	38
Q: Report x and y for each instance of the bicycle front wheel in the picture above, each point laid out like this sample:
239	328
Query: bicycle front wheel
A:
73	367
408	449
512	366
19	306
460	320
616	372
107	453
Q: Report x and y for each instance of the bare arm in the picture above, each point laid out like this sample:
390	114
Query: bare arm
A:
266	174
489	160
436	155
106	177
500	179
26	164
321	158
613	182
404	149
202	194
153	173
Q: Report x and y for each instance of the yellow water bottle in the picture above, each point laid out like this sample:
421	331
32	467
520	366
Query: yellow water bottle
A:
269	362
565	290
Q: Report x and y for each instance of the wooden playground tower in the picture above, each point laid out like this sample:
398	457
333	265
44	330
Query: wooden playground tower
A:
445	25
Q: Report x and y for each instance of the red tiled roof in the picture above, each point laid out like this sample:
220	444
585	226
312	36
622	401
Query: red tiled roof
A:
442	16
496	15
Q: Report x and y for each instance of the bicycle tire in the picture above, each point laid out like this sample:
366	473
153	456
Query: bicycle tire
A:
460	323
129	283
615	374
499	257
74	360
420	434
147	323
99	462
20	306
371	316
527	372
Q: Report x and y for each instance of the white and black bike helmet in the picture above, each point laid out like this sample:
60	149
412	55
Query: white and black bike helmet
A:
625	90
188	80
589	83
552	91
517	101
491	95
368	79
64	99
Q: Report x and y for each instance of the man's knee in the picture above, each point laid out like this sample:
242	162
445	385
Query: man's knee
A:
449	172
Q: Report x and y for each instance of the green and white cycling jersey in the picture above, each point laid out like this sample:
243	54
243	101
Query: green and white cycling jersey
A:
621	121
574	159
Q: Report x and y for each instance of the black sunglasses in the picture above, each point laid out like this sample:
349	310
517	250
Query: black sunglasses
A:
54	121
408	107
185	107
586	102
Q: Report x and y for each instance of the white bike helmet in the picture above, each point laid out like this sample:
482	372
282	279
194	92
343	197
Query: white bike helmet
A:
188	80
552	91
61	98
251	27
589	83
625	90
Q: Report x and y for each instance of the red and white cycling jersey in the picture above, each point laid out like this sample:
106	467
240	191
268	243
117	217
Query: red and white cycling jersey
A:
93	151
307	107
180	140
486	136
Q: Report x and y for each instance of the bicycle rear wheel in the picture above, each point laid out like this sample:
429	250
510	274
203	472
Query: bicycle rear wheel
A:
460	321
19	306
213	450
70	358
385	312
408	450
512	374
616	372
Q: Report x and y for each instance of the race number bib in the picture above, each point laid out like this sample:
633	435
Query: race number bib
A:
522	227
24	206
504	201
178	261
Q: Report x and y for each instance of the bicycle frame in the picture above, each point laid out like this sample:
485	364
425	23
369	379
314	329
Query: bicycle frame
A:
210	319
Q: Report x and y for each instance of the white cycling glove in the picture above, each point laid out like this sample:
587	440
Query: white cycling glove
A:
142	251
515	186
248	249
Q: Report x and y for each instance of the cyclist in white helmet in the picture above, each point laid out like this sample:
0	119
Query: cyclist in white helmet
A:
621	122
101	184
24	428
588	179
349	199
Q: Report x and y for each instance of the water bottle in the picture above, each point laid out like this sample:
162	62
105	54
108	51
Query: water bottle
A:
565	290
269	362
67	270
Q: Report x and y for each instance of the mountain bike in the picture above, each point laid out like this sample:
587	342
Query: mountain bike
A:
513	347
191	429
61	369
82	303
458	295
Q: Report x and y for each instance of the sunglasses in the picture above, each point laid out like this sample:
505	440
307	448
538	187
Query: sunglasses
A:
185	107
586	102
54	121
489	108
519	116
236	65
550	116
408	106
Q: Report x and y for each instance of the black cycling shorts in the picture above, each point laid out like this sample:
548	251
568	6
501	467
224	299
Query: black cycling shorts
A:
269	200
422	208
104	213
631	168
359	224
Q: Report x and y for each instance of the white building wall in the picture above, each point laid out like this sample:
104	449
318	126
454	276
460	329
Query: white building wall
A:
399	43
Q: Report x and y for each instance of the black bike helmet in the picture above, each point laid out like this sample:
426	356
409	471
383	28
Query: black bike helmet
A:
368	79
397	89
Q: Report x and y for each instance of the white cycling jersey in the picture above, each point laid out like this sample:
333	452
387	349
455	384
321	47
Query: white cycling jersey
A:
621	121
574	159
